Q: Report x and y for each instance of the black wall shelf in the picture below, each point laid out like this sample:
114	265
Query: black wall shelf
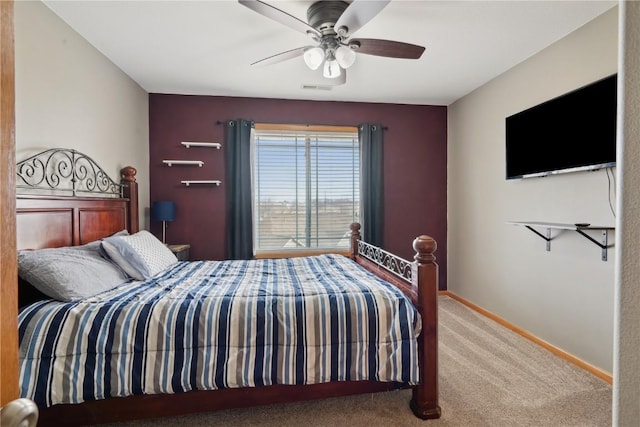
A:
581	229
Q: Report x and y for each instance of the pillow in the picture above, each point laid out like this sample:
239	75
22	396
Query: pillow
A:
97	245
69	273
140	255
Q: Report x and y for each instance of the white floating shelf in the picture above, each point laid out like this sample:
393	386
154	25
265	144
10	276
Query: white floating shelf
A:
201	144
579	228
183	162
211	182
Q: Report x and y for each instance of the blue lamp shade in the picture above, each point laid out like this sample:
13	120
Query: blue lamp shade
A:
163	211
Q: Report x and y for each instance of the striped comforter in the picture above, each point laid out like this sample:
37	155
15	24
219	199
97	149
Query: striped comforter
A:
217	324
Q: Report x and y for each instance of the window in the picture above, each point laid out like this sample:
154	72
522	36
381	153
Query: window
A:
306	187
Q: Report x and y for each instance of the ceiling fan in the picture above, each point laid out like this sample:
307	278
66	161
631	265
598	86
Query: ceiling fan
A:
331	25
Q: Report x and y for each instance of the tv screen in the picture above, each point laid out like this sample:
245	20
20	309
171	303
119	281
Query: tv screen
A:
573	132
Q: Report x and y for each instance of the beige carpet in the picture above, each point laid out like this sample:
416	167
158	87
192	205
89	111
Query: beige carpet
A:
489	376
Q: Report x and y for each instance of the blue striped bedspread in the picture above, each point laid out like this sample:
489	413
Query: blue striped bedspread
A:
218	324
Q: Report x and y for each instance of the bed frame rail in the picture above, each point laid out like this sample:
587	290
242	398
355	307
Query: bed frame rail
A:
419	281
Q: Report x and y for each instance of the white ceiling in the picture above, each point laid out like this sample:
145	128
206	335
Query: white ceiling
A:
206	47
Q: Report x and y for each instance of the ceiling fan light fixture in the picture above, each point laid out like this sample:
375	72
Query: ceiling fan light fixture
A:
345	56
330	24
331	69
313	57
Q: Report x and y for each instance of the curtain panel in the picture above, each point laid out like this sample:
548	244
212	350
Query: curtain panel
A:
371	183
239	189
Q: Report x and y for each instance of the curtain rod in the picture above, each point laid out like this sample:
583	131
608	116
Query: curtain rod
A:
219	122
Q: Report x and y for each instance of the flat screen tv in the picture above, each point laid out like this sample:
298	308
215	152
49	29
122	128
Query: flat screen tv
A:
573	132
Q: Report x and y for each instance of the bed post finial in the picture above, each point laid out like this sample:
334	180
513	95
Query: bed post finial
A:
130	191
424	246
355	236
128	174
424	401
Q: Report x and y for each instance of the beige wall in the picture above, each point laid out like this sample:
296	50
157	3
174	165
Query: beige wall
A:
626	403
565	296
70	95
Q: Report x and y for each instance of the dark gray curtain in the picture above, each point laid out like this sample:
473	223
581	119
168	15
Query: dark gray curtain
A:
370	136
239	189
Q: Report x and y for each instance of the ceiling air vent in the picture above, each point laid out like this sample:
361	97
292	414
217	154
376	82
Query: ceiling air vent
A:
317	87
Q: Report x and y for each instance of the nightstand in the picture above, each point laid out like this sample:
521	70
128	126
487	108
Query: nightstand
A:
180	251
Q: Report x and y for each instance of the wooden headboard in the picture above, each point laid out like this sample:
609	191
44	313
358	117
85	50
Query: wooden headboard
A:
44	222
54	221
64	198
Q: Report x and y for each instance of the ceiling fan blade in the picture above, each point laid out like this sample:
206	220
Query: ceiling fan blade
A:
387	48
282	56
357	14
280	16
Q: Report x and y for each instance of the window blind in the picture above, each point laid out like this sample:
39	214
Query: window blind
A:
307	189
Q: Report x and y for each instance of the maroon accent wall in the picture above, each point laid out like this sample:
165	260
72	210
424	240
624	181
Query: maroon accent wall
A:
415	164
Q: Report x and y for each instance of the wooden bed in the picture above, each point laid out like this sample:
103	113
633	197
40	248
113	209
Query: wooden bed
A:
45	221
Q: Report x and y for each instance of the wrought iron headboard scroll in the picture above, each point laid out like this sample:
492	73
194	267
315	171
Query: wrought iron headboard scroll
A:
66	171
396	265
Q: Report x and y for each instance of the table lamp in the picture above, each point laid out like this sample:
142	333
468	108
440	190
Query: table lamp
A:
163	211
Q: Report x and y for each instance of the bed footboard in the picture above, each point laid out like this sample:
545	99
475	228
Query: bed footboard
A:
419	281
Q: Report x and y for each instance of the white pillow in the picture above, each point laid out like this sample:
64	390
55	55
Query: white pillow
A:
140	255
